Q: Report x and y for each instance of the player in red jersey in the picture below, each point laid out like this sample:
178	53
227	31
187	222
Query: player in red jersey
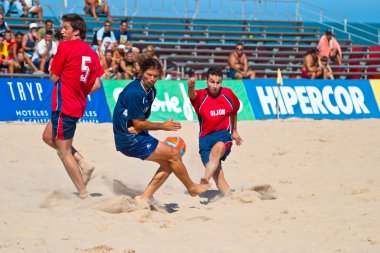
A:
76	72
216	108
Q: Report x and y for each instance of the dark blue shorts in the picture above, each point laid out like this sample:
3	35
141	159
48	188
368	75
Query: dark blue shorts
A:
231	73
206	143
141	147
63	126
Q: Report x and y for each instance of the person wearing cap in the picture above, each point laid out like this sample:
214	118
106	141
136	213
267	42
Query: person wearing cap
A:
328	46
29	40
311	68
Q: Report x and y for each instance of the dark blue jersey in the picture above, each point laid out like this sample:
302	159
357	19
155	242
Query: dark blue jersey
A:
134	102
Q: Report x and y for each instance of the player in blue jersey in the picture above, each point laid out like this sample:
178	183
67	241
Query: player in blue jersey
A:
216	108
131	126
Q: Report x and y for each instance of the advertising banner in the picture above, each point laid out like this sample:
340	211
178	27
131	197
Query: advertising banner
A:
318	99
172	100
29	100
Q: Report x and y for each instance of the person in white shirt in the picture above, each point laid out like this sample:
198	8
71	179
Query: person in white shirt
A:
46	49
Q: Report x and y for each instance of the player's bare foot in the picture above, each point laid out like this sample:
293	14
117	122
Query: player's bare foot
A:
87	170
197	189
84	194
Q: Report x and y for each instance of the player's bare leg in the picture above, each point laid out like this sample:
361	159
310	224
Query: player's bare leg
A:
174	164
86	168
64	149
216	153
221	182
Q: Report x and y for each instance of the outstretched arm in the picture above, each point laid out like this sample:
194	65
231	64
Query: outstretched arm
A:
191	85
143	124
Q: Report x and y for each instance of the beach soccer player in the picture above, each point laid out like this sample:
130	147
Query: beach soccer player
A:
75	71
131	130
216	108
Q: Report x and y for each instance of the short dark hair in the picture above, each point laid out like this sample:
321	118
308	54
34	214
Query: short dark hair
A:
150	63
49	32
214	71
77	23
328	32
124	21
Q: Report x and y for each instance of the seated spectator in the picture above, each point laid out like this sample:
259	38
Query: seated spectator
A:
45	50
238	64
97	7
99	36
326	69
152	53
22	62
106	45
108	65
12	51
42	31
32	9
126	67
122	36
3	25
118	54
4	60
328	46
311	68
11	5
29	41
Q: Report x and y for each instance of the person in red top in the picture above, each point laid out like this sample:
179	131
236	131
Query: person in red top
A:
76	72
216	108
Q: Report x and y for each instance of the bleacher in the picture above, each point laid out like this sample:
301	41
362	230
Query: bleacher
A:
195	44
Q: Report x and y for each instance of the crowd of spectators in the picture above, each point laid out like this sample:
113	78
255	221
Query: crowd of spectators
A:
32	51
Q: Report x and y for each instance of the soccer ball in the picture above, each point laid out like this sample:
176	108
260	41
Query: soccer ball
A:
176	142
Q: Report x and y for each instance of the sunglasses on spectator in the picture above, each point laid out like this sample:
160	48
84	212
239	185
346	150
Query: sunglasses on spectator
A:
107	25
239	49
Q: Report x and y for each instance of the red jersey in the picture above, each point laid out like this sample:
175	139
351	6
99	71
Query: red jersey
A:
77	66
214	112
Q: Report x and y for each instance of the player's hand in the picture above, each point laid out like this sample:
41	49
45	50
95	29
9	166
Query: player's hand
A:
191	82
236	137
133	130
171	125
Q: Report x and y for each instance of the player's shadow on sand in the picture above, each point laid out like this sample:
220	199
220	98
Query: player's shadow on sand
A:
119	188
94	194
211	196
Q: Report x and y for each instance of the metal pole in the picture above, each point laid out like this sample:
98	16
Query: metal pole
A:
345	24
242	9
297	10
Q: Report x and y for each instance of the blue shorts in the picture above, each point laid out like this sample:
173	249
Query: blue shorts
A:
141	146
63	126
206	143
231	73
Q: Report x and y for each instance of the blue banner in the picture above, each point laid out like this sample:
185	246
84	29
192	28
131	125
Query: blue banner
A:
318	99
29	100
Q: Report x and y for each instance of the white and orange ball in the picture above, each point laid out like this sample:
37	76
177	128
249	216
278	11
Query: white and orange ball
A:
176	142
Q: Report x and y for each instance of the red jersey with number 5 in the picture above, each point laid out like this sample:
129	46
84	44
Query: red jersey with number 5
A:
77	67
214	112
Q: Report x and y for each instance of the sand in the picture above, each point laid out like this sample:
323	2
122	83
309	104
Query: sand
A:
299	186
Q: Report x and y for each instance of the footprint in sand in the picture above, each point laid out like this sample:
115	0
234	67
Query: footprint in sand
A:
258	192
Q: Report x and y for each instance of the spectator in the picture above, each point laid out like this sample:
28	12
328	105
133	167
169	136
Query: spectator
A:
45	50
11	5
97	7
23	59
108	65
42	31
3	25
122	36
29	40
126	67
238	64
99	36
152	53
4	61
118	54
310	68
12	51
326	69
329	46
32	9
106	45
